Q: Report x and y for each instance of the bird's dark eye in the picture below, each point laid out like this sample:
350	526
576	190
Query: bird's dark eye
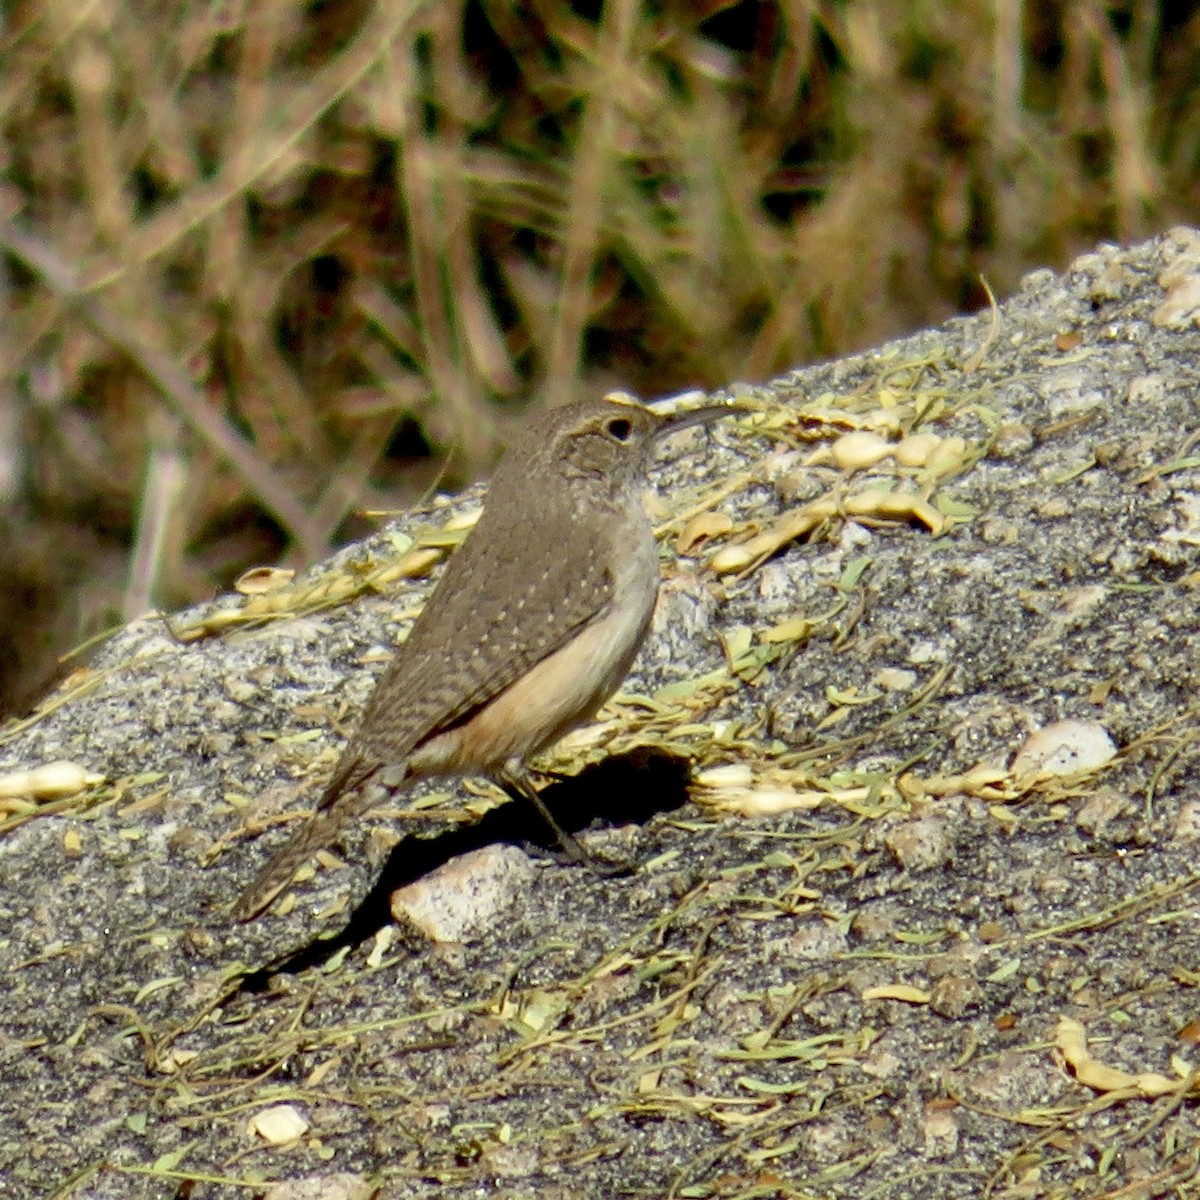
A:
620	428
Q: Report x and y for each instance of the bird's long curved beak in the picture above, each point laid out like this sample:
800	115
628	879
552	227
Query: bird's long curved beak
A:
674	422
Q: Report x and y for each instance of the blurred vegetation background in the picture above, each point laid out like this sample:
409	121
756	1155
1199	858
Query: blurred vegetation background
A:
269	264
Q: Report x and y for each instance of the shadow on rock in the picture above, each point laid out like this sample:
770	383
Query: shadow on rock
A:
621	790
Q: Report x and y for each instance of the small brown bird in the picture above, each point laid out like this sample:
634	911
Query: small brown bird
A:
532	626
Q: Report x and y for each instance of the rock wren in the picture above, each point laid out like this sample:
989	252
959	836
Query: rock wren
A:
532	626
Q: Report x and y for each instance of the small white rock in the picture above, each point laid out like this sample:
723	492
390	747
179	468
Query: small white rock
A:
1064	748
1187	824
895	679
340	1186
465	896
926	651
279	1124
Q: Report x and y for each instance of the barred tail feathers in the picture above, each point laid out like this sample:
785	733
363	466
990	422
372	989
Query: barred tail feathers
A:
346	797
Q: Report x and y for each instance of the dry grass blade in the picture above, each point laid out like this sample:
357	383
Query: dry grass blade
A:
174	386
303	109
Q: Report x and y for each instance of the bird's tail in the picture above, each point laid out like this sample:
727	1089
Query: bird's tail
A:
346	797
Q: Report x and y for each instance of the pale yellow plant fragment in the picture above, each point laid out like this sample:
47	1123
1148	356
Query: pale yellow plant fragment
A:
51	781
1071	1040
897	991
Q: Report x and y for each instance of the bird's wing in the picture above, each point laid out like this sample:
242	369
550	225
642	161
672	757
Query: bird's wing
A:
479	633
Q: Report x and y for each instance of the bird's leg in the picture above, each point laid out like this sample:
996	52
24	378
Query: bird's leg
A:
517	783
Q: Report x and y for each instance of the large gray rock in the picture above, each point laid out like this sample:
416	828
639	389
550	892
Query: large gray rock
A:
852	958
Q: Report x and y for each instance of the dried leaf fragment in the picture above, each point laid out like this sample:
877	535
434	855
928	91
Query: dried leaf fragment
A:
727	775
735	788
895	506
798	629
541	1009
860	449
702	527
52	781
948	457
746	791
1071	1040
983	780
747	555
897	991
259	580
914	450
